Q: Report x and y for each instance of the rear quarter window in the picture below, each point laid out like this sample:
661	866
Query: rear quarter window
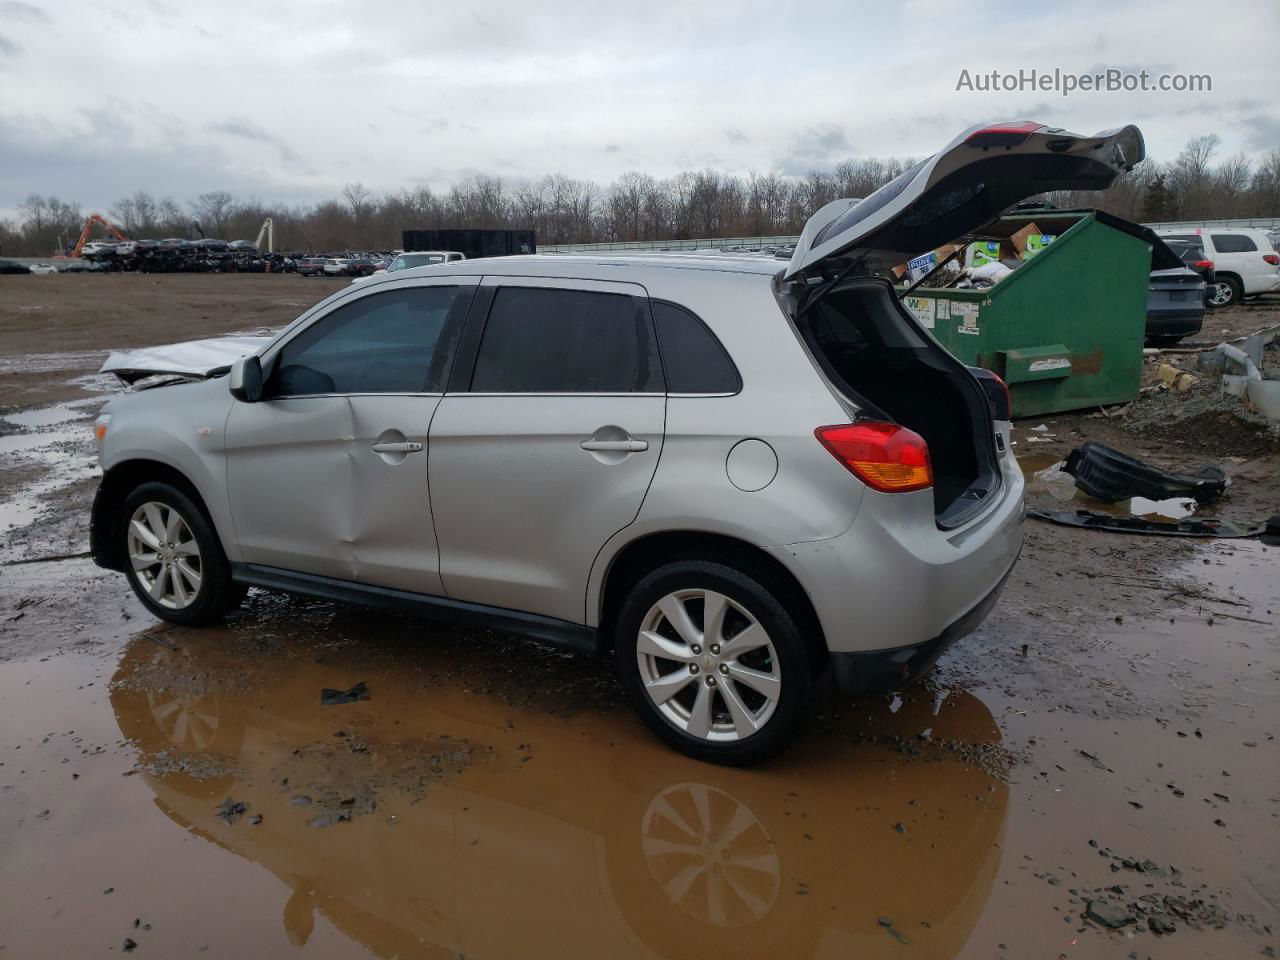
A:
693	359
1233	243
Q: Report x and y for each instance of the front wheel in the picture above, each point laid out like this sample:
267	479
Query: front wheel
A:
173	559
714	663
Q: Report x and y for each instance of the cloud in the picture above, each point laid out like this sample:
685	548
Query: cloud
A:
816	147
97	169
611	148
1263	132
8	48
248	130
16	10
734	135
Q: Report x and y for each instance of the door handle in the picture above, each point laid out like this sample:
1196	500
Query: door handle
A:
408	446
623	446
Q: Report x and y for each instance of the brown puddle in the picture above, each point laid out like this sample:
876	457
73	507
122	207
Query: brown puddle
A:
493	799
479	826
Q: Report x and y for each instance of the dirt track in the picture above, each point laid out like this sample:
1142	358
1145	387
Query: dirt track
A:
1108	736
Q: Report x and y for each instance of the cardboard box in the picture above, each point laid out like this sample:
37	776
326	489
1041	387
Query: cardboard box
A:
920	266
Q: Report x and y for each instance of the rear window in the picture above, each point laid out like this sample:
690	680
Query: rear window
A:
692	358
1233	243
540	340
864	208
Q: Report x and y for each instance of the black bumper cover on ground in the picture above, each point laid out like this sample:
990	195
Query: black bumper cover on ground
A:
880	670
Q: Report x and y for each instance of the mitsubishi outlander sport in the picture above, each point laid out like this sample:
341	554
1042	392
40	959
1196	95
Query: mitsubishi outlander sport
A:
737	477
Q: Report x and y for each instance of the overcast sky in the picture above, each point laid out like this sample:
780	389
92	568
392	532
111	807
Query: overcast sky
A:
288	101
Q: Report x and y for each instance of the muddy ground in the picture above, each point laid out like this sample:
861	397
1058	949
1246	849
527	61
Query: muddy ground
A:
1094	773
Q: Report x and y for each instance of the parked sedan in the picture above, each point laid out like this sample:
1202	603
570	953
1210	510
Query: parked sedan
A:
736	477
310	266
1193	255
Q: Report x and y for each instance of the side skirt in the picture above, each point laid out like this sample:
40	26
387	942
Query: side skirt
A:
559	633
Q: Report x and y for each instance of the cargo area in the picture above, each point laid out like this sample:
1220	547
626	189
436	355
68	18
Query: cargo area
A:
865	341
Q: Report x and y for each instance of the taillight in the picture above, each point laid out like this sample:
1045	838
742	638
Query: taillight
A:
1272	259
1203	264
1003	134
884	456
996	392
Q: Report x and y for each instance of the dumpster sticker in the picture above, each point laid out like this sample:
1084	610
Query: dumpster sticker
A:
922	309
968	314
944	309
1052	363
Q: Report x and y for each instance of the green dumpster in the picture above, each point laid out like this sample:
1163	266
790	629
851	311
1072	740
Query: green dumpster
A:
1065	330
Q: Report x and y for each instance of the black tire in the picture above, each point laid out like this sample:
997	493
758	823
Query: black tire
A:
1231	292
217	593
795	702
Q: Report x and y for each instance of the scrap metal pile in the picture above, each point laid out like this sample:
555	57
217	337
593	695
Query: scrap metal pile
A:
186	258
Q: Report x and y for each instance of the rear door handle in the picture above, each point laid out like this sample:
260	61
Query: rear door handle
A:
407	446
625	446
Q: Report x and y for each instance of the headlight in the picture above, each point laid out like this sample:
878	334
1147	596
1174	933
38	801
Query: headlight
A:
100	428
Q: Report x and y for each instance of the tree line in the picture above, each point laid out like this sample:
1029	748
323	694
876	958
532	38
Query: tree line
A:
635	206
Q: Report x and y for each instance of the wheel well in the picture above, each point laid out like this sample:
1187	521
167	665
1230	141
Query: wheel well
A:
641	557
117	484
1228	275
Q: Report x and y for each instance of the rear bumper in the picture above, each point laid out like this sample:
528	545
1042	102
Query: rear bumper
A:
893	580
1176	323
876	671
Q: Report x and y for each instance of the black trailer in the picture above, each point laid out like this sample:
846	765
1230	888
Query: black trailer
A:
473	243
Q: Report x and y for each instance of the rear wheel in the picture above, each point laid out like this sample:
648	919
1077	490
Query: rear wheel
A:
1225	292
173	560
714	663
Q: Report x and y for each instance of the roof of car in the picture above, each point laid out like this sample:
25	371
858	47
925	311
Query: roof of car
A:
571	265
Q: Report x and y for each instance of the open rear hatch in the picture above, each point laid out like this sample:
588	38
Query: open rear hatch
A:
871	349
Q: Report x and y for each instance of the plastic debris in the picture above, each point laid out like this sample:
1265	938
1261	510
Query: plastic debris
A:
1162	528
1110	476
332	698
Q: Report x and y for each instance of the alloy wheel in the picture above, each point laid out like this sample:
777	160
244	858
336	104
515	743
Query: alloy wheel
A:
708	665
1221	295
164	555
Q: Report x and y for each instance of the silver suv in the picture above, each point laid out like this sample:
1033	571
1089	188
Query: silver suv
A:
736	476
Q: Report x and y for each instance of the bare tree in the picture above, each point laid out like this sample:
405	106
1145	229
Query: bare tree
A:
212	210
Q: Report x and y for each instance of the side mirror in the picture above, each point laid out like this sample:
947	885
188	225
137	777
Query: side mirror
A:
246	379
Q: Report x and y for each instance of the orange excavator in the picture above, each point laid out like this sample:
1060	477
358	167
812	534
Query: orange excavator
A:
88	226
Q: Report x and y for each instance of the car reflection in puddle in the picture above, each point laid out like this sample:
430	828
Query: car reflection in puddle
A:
486	827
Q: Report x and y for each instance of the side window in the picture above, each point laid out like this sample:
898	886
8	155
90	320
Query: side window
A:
693	359
383	343
1233	243
540	340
